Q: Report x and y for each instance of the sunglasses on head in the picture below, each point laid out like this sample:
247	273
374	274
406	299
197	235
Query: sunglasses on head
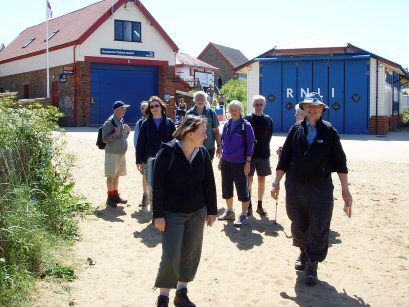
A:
152	106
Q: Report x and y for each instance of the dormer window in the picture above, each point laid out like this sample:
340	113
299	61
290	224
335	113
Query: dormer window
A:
129	31
52	35
28	42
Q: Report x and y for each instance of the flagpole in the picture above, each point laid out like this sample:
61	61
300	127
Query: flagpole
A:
46	38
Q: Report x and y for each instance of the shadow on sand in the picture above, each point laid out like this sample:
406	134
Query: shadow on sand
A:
111	214
322	294
149	236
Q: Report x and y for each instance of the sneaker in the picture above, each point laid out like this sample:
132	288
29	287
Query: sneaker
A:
311	276
111	202
228	215
261	211
241	221
182	300
119	200
163	301
145	201
301	261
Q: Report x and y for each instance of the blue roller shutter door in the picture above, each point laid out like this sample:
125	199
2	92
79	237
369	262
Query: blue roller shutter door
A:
131	84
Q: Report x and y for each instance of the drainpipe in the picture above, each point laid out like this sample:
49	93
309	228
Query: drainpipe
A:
376	105
75	88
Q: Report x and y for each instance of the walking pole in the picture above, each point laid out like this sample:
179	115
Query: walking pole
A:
275	218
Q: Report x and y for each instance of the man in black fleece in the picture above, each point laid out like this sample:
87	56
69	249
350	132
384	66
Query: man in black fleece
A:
310	153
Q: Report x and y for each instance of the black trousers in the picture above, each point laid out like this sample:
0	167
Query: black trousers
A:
309	207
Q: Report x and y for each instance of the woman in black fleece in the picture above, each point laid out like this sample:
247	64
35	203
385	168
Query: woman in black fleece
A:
184	196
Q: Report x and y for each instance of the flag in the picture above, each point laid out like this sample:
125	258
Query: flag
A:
49	11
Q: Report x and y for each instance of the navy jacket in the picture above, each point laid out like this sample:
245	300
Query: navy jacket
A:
150	138
180	186
313	164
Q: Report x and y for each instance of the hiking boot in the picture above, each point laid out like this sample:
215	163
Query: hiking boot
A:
163	301
261	211
241	221
182	300
301	261
250	210
228	215
311	277
145	201
119	200
111	202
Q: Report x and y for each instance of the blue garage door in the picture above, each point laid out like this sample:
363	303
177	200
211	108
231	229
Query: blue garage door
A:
131	84
343	83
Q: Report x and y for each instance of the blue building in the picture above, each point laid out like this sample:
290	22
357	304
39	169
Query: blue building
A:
362	89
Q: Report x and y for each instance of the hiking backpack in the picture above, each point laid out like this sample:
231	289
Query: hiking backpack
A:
100	143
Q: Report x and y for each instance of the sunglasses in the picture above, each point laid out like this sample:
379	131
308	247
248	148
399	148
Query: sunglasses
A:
153	106
258	104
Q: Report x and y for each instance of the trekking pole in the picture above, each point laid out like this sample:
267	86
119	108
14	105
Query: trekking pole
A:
275	218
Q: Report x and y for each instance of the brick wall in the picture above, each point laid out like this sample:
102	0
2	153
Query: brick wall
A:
37	84
83	94
167	86
385	124
213	57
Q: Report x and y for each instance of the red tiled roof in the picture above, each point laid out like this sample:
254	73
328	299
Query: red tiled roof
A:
185	59
73	28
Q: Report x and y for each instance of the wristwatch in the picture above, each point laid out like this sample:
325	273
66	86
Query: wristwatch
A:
276	185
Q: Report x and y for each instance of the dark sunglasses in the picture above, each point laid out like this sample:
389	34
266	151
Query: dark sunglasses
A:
152	106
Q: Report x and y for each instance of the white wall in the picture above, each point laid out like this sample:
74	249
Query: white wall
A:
253	84
57	58
103	37
184	73
384	108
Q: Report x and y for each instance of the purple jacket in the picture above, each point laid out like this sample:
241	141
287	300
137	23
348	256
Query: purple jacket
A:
235	147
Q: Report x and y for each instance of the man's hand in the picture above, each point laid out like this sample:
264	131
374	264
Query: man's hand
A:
117	131
210	220
219	166
127	130
160	224
218	152
275	190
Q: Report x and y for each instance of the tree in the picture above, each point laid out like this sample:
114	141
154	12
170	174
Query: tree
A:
236	90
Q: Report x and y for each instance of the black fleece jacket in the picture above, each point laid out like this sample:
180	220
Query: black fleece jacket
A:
150	138
180	186
312	164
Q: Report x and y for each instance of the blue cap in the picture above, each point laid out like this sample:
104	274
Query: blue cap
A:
313	98
118	104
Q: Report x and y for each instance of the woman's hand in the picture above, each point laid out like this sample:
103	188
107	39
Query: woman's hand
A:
210	220
246	168
160	224
140	168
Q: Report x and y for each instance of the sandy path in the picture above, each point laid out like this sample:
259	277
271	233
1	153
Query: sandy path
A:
367	264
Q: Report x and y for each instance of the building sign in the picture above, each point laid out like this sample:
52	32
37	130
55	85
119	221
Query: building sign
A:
123	52
63	78
303	92
68	70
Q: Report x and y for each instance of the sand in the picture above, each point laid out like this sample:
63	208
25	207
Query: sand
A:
367	263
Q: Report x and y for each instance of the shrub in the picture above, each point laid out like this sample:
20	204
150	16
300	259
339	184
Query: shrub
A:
37	202
236	90
405	121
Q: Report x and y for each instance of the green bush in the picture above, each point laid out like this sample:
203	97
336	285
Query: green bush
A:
37	203
236	90
405	122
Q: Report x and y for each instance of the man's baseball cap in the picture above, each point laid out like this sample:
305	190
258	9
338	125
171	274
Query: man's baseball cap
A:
313	98
118	104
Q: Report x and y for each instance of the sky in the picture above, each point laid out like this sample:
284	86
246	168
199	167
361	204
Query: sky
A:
250	26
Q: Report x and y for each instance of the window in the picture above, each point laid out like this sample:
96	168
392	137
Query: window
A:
129	31
52	35
28	42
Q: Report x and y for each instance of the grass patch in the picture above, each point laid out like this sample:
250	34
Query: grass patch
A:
38	206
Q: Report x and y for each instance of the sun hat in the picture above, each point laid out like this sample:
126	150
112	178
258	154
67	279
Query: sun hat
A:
313	98
118	104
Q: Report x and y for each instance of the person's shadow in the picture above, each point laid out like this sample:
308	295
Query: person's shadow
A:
143	216
110	214
334	238
322	294
243	237
149	236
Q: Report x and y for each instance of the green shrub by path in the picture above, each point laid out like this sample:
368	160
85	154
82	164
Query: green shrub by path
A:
38	207
405	121
236	90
